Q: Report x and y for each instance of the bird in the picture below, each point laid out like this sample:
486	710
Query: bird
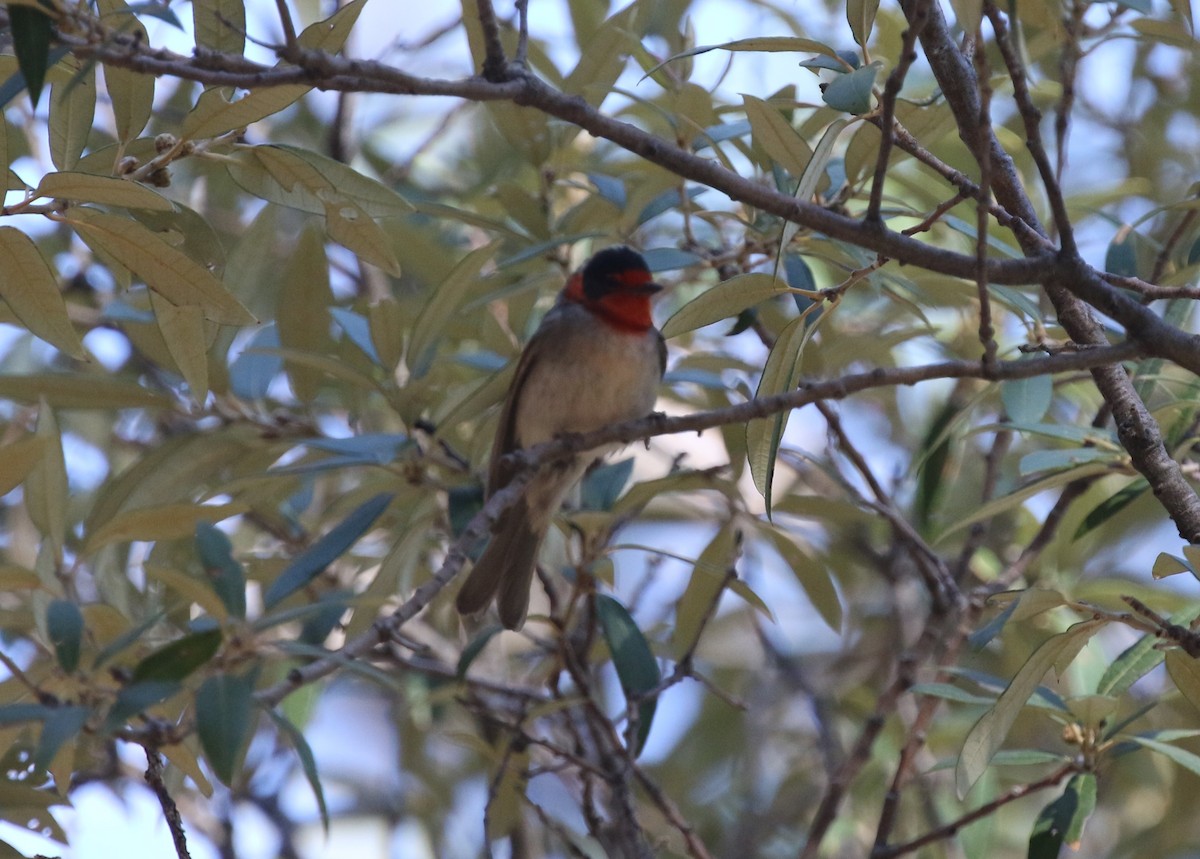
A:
595	359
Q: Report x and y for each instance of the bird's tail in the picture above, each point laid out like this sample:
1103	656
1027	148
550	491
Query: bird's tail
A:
505	569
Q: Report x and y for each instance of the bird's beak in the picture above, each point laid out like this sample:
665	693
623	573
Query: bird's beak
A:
648	288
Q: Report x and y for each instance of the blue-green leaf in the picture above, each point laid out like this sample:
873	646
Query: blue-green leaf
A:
636	667
326	550
224	721
64	621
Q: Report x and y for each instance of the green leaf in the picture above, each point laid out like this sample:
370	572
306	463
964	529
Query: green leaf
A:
304	180
78	391
72	113
777	137
989	732
184	331
61	725
106	190
46	487
30	288
603	485
637	669
949	692
168	271
135	698
31	40
726	299
782	373
225	574
326	550
220	25
444	304
704	587
851	92
131	93
225	721
1061	822
177	660
1018	496
1169	565
860	15
475	647
1052	460
1111	506
813	576
764	44
1184	671
127	639
64	622
1188	760
302	317
161	522
1026	401
308	763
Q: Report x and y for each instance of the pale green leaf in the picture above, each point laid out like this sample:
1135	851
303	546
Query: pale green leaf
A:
78	391
17	459
1017	497
1185	674
813	576
1049	460
30	288
777	137
168	271
131	93
304	180
1027	400
443	305
1169	565
106	190
46	486
1188	760
183	330
989	732
214	114
860	15
72	109
162	522
302	316
220	25
726	299
352	228
852	92
704	587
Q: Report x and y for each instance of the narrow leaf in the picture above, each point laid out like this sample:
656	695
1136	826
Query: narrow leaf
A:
989	732
443	304
726	299
180	658
106	190
326	550
30	288
225	574
308	763
64	622
31	40
224	721
637	669
168	271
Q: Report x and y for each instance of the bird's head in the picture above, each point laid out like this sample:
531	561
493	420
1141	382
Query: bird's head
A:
616	285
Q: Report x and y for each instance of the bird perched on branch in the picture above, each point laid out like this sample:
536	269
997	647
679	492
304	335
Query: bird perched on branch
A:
596	359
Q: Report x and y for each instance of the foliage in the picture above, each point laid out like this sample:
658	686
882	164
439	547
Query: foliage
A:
939	365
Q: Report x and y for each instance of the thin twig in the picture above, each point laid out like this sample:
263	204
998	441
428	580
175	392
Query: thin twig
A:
987	334
495	64
1031	117
154	778
887	113
952	828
